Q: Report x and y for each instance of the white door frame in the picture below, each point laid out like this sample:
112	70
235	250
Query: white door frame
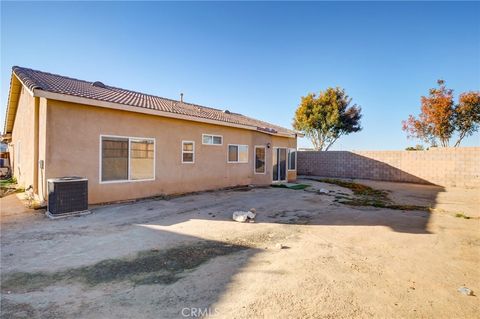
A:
275	155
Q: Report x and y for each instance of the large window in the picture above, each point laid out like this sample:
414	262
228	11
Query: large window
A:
237	153
127	159
188	152
209	139
292	159
260	159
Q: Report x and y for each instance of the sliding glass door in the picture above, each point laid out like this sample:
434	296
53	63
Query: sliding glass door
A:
279	164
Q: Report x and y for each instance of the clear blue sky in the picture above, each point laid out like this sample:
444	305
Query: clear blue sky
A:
257	58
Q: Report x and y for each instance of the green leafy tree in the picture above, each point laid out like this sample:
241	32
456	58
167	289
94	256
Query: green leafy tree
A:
327	117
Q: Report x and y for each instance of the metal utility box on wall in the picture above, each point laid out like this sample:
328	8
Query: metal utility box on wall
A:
67	196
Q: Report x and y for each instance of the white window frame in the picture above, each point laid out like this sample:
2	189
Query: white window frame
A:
238	154
288	159
130	138
189	152
255	160
212	135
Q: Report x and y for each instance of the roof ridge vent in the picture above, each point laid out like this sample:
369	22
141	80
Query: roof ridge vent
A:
99	84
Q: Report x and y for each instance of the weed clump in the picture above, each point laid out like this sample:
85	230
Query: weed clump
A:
291	186
462	215
364	195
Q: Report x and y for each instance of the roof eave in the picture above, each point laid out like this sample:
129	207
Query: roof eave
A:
12	103
136	109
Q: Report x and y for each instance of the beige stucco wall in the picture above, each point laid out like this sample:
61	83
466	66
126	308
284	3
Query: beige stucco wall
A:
23	140
73	148
42	147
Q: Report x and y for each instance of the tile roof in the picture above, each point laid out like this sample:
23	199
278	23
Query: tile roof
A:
38	80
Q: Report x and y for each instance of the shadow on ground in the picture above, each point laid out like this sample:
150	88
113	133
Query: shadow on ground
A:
167	248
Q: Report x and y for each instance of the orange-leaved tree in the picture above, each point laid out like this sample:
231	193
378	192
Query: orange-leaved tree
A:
467	115
440	117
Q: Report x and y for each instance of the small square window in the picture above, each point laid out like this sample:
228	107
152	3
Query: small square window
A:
188	152
209	139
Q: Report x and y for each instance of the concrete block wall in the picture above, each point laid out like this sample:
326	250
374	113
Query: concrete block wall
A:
442	166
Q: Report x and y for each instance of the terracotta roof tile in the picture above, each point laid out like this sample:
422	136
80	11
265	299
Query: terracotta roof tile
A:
38	80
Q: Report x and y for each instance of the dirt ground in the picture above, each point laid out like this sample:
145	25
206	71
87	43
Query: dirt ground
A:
185	257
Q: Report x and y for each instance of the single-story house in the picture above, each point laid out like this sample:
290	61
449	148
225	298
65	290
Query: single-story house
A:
133	145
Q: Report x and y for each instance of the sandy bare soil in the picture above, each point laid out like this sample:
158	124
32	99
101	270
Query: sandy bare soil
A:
184	257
